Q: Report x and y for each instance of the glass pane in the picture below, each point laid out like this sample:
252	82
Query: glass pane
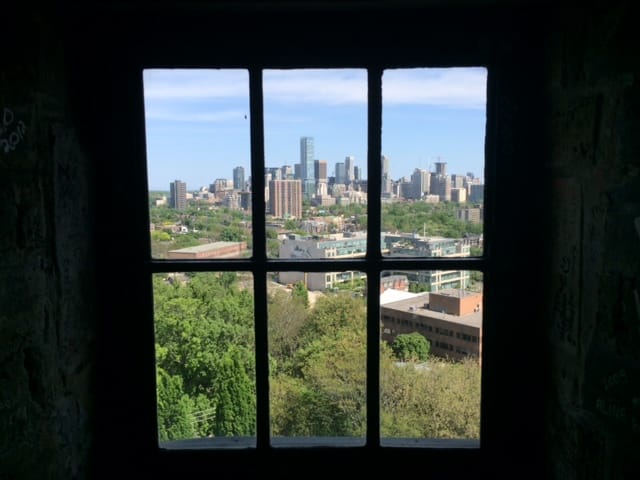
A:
433	132
430	355
198	163
315	125
317	346
205	359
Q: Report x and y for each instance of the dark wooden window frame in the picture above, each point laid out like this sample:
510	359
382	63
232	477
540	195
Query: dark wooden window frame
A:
373	41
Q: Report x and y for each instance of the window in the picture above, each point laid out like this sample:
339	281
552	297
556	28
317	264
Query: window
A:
343	36
229	260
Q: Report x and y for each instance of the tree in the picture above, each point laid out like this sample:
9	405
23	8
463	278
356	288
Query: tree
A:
440	401
286	319
291	224
332	314
160	236
301	293
175	420
411	347
234	397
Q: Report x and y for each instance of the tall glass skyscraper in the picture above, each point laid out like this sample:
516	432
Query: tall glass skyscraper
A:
307	166
238	178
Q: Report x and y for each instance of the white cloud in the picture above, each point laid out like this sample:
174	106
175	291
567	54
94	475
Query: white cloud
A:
185	84
329	87
453	87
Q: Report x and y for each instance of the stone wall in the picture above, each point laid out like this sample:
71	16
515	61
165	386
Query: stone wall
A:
594	329
46	320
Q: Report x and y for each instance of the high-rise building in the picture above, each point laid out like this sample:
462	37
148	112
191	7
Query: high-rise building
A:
285	198
476	193
178	195
349	166
286	172
320	170
441	186
321	178
341	173
458	195
238	179
458	181
420	180
307	172
441	168
275	172
386	175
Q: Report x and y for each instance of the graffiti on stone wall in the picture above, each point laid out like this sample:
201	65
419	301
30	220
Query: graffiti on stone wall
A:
567	227
12	132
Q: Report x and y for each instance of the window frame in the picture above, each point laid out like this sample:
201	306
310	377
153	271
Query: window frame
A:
373	264
126	105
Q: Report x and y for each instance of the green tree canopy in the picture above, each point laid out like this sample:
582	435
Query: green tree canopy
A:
411	347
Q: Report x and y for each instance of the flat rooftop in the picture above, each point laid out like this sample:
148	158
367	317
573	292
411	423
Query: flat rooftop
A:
416	306
206	247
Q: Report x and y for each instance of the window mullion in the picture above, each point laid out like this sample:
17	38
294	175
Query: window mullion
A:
374	152
259	256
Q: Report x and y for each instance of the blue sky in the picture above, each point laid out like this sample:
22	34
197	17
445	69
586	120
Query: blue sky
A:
197	121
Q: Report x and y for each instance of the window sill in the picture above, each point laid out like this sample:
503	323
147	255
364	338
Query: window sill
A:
227	443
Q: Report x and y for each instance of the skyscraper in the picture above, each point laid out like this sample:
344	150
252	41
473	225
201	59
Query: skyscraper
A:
441	168
178	195
341	173
320	170
386	176
349	165
420	180
321	177
307	166
238	178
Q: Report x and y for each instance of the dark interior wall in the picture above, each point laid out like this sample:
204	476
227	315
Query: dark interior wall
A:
47	319
594	308
48	201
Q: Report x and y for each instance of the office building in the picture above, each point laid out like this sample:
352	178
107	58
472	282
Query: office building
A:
451	320
345	245
307	163
349	165
341	174
178	195
238	179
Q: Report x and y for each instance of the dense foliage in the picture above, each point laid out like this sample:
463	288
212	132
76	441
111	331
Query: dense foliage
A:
206	367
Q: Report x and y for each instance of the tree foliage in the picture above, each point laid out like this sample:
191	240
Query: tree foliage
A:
436	219
411	347
317	386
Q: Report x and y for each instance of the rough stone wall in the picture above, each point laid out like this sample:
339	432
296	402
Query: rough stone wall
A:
46	326
594	400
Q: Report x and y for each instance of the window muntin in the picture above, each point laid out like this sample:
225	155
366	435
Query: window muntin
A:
259	267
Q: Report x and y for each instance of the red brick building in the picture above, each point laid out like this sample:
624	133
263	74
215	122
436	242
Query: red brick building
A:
450	319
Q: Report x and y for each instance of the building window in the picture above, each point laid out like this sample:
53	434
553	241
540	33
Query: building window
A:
216	268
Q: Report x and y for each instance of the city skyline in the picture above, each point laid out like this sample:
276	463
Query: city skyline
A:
197	121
